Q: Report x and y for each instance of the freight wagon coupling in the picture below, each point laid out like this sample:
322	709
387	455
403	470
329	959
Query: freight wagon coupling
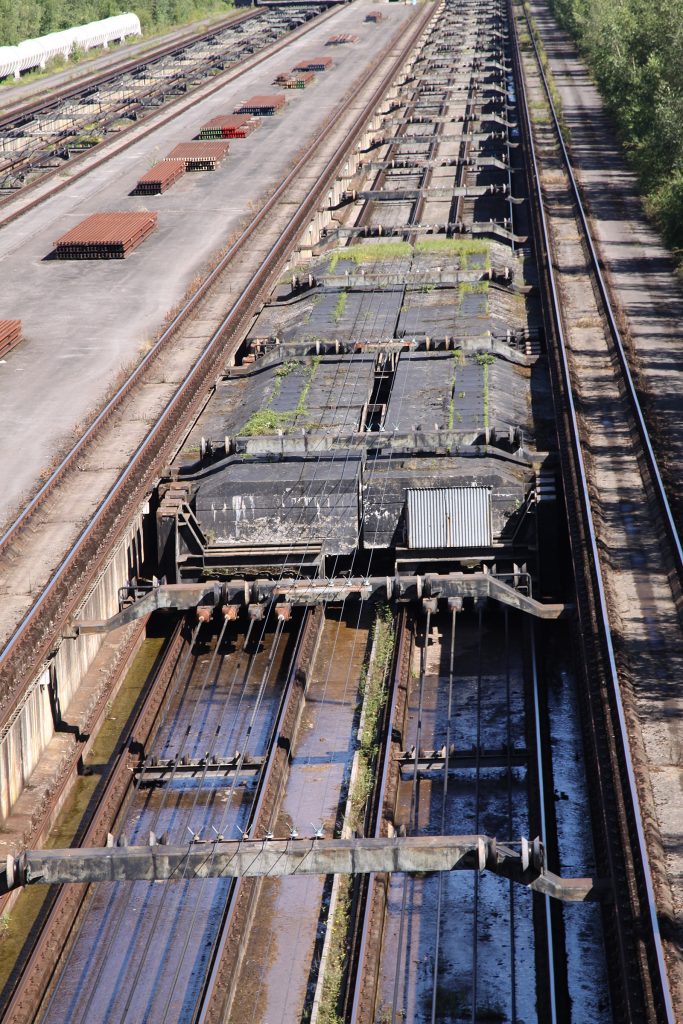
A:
200	156
521	861
105	236
159	178
262	106
10	336
229	126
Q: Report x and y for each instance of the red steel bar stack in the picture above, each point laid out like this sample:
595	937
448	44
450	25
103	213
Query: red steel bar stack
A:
105	236
10	335
341	39
314	64
159	178
263	106
295	79
200	156
229	126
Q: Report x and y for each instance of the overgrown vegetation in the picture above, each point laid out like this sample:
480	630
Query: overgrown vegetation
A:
338	311
269	421
485	360
374	690
25	19
336	958
369	252
634	49
463	248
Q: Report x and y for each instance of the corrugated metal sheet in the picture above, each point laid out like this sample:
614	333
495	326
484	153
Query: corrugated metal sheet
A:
449	517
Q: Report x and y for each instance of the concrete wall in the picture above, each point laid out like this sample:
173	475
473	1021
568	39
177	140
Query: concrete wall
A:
31	727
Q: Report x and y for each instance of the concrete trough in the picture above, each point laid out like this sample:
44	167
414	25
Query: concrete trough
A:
200	156
105	236
159	178
262	106
10	335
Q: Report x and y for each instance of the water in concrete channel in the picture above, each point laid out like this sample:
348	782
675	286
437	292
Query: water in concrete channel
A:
484	926
142	950
279	971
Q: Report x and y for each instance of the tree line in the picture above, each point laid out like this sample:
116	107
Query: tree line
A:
25	19
634	49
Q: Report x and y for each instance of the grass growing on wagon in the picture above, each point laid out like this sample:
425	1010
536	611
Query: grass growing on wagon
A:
267	420
371	253
462	248
374	689
485	360
336	958
338	311
377	252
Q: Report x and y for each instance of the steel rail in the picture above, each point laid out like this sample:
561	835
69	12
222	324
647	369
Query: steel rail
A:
48	99
231	321
246	63
603	625
54	933
615	333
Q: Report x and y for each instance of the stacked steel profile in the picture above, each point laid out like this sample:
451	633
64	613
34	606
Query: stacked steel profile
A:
314	64
10	335
295	79
264	106
105	236
229	126
200	156
160	177
342	39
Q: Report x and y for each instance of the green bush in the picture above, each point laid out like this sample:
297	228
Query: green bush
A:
634	49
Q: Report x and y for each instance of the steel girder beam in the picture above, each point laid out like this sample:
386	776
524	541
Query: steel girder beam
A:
521	862
305	593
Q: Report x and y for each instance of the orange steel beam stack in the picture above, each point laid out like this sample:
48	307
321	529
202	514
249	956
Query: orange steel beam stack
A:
104	236
200	156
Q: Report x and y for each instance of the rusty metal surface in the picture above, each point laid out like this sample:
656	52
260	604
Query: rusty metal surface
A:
229	950
229	126
249	62
162	175
121	228
202	150
32	638
314	64
261	104
10	335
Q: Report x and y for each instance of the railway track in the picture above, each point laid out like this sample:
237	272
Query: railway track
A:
442	718
40	136
158	442
609	739
243	55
